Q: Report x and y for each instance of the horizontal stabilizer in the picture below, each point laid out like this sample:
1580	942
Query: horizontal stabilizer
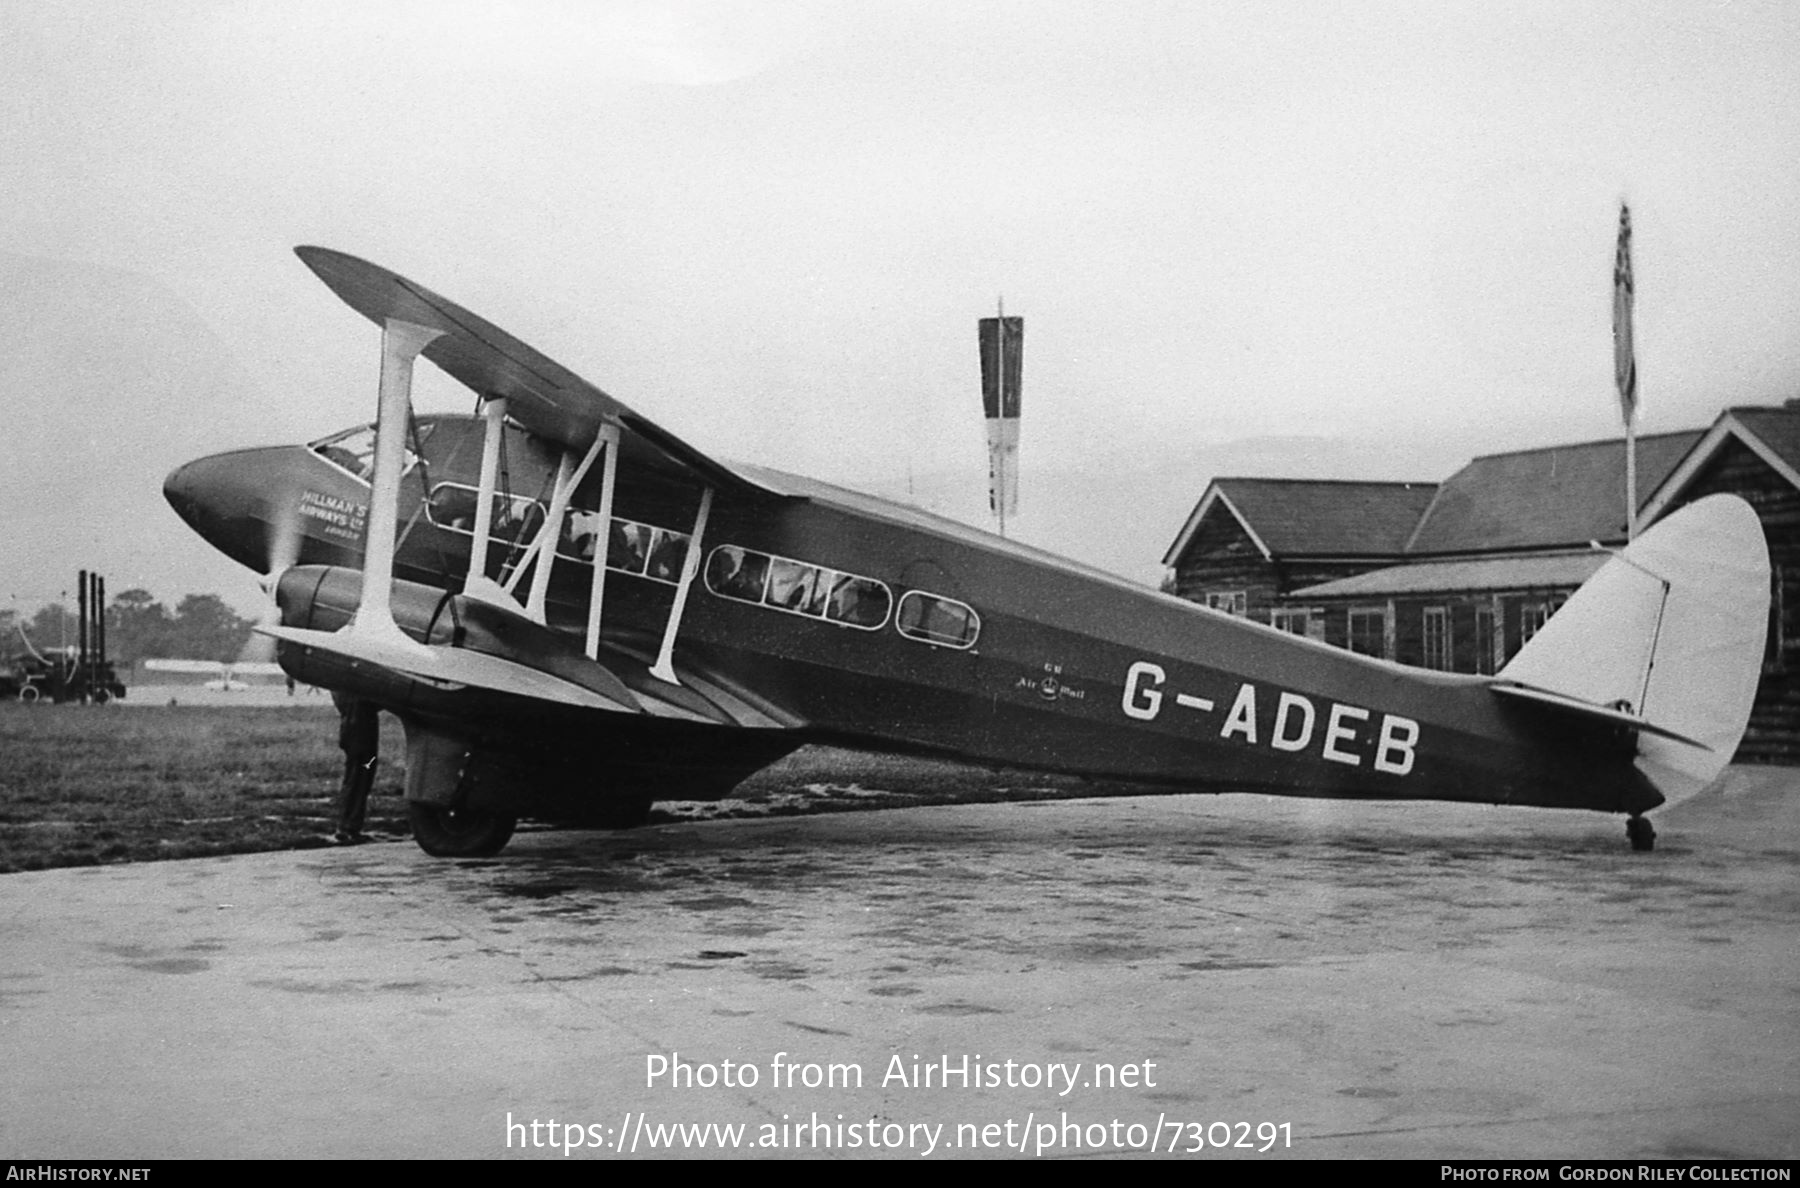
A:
1602	713
452	666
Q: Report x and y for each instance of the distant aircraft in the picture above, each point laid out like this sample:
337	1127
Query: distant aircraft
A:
574	613
225	677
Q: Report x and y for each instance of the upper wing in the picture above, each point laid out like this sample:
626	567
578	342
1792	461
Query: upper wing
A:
545	397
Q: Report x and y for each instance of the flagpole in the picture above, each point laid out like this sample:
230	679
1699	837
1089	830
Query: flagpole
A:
1631	503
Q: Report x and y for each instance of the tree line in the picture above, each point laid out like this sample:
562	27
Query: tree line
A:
138	627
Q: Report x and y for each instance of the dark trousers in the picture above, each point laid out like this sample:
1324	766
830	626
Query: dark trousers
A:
353	796
359	734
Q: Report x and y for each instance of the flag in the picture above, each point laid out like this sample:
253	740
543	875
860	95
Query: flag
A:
1624	356
1002	368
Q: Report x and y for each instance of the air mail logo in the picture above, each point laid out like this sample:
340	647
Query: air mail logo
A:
1340	734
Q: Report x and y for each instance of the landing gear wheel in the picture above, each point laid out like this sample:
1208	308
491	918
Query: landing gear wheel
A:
458	833
1641	833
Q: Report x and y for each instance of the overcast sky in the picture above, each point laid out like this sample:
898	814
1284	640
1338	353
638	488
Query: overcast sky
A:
771	226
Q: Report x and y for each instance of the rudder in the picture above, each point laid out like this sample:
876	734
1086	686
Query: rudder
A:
1671	630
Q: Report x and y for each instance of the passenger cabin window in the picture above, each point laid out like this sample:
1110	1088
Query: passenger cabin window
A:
453	506
934	620
643	550
780	583
354	450
640	550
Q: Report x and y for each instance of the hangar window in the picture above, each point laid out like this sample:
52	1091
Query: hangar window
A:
931	619
1368	631
1309	622
1232	602
1532	617
780	583
1437	638
1484	639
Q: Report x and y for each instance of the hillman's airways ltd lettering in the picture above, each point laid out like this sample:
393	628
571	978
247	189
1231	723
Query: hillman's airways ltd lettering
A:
339	517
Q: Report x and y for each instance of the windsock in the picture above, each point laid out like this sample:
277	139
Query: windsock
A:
1002	368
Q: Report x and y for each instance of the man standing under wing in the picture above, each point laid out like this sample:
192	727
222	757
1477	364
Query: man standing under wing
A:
359	734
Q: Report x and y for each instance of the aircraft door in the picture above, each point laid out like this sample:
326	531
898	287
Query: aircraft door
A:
939	647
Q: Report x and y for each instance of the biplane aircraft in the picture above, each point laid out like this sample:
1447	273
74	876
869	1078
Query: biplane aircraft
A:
574	613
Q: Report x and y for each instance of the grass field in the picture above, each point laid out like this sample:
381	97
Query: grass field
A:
80	785
85	785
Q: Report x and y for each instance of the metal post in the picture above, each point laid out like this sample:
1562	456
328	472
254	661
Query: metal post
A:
93	650
100	621
1631	502
78	677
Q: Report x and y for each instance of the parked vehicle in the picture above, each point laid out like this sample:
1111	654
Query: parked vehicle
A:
58	675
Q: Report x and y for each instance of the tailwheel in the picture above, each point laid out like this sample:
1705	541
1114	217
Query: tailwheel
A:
459	832
1641	833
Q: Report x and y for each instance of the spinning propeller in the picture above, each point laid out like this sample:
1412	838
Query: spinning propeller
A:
283	551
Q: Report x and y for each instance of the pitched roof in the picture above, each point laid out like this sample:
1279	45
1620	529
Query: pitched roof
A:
1289	517
1562	495
1557	570
1550	498
1777	428
1773	434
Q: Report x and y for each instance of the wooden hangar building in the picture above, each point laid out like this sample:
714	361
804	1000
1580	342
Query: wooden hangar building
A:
1458	575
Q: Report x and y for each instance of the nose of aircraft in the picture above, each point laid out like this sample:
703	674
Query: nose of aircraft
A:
182	490
232	500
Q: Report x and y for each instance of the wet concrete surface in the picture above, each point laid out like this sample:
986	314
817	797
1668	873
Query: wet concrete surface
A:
1369	980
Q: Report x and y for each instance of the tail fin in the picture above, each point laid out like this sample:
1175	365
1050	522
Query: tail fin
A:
1670	631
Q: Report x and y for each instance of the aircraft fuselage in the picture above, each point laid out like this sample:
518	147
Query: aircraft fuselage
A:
845	618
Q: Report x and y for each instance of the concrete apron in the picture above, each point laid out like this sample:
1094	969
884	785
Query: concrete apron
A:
1369	980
